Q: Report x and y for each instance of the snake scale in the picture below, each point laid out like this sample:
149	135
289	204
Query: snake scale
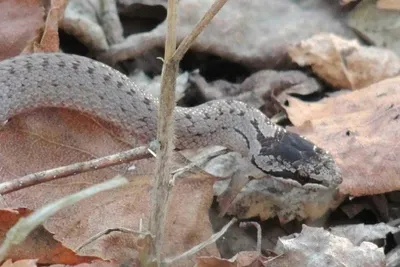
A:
59	80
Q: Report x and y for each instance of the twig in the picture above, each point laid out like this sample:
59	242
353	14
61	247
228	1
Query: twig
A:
109	231
205	20
25	226
259	233
165	136
73	169
202	245
165	125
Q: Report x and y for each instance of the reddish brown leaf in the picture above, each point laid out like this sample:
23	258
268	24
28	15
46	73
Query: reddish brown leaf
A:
54	137
362	131
20	21
343	63
40	244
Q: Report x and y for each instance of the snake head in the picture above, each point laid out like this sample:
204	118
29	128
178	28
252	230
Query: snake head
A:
289	155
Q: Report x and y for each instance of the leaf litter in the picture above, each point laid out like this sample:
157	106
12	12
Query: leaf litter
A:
359	128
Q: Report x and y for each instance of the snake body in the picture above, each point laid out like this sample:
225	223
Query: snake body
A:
68	81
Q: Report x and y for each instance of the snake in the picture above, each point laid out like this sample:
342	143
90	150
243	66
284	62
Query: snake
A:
59	80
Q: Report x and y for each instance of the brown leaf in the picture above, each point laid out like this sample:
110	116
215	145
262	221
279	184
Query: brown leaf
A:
20	21
20	263
345	64
361	129
49	138
47	40
40	244
388	4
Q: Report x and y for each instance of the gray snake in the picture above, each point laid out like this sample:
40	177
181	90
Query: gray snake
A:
68	81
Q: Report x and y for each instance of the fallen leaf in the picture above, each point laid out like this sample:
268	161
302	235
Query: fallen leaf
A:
20	263
265	89
361	130
358	233
318	247
238	34
40	244
48	40
20	22
388	4
376	26
49	138
81	20
343	63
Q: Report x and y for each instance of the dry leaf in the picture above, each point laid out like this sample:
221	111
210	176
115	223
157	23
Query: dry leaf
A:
20	21
96	263
362	131
265	89
345	64
243	31
317	247
48	40
49	138
40	244
358	233
376	26
388	4
20	263
81	20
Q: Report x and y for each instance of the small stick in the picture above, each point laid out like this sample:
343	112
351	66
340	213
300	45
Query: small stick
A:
202	245
165	136
259	233
205	20
73	169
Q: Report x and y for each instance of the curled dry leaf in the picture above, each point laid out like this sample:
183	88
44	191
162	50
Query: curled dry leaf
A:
317	247
47	39
265	89
81	20
269	197
343	63
50	138
362	131
264	196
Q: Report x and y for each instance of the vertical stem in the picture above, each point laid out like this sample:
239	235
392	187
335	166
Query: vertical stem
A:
165	136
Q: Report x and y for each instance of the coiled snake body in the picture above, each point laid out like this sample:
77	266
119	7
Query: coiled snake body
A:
60	80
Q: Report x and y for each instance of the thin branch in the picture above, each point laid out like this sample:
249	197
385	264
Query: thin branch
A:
202	245
259	233
165	136
73	169
205	20
107	232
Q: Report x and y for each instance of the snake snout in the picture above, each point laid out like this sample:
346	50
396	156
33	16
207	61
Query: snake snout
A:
297	158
